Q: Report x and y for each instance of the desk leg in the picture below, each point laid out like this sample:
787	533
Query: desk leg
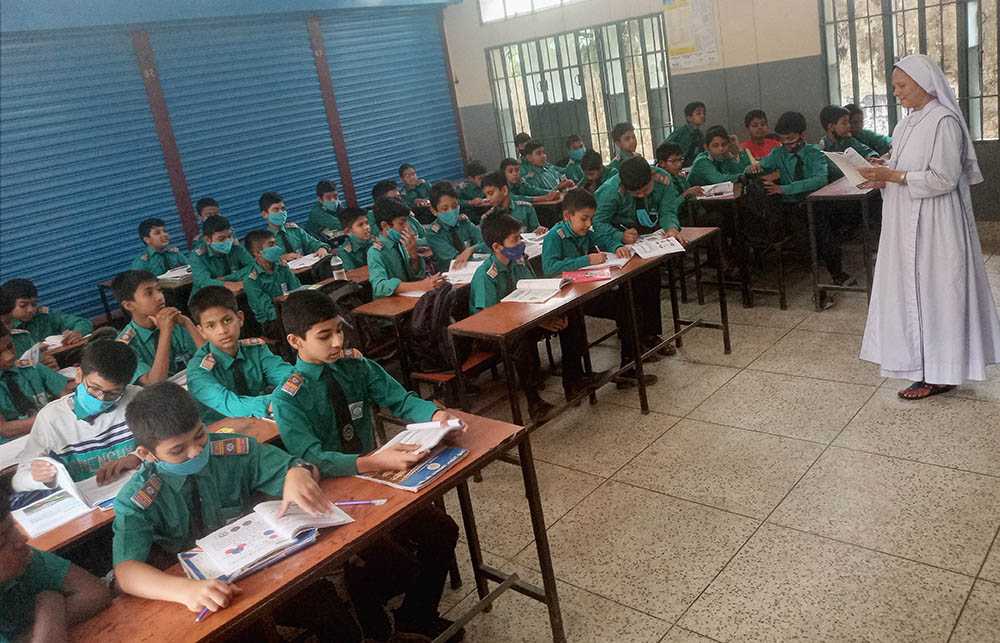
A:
463	403
472	536
866	248
674	308
633	322
588	368
811	219
741	256
404	358
510	374
104	302
723	308
541	539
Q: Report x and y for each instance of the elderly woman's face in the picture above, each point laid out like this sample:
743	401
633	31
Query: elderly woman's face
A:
906	90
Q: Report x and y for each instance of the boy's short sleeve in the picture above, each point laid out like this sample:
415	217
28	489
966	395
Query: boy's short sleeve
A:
45	571
133	530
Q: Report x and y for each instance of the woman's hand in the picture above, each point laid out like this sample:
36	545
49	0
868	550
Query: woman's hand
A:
880	173
871	185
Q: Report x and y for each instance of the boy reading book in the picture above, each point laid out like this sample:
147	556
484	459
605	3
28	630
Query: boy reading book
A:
354	252
40	321
452	237
24	389
878	142
158	257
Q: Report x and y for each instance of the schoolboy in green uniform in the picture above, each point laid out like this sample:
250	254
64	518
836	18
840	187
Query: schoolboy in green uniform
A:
714	164
161	337
293	240
21	338
452	237
158	257
878	142
498	194
219	260
394	267
577	149
42	594
520	188
24	389
323	222
193	482
40	321
594	171
520	141
835	120
689	135
354	252
415	192
391	189
470	192
623	136
541	173
323	412
229	376
271	278
204	208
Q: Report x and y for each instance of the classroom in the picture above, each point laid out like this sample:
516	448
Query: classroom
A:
645	321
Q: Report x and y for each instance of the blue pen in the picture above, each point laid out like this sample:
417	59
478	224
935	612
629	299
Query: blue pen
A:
346	503
204	610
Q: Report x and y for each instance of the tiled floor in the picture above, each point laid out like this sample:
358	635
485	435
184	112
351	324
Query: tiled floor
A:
780	493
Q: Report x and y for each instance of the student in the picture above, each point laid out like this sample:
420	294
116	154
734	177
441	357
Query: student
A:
393	263
520	140
577	149
470	192
452	237
40	321
24	389
803	170
391	189
689	135
86	431
498	194
414	191
219	261
623	136
43	595
229	376
293	240
271	278
835	120
323	222
541	173
520	188
715	164
21	338
157	258
593	171
323	413
758	144
162	339
204	208
878	142
193	482
354	252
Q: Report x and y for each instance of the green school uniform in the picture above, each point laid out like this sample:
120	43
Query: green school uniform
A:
493	281
262	287
158	261
443	239
308	422
45	572
39	384
691	139
321	218
292	238
814	171
546	178
707	170
616	208
211	268
163	508
564	250
22	340
878	142
419	191
212	378
524	191
574	172
354	253
468	192
52	322
143	342
416	228
523	211
842	145
389	265
615	164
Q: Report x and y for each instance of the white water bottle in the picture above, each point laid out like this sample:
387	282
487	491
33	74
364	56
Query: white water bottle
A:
338	267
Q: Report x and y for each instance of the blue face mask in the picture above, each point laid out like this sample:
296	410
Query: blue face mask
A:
577	155
272	254
90	404
331	205
515	253
449	218
277	218
188	467
394	234
644	218
222	247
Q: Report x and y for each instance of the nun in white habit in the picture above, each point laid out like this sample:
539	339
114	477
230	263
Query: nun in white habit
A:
932	318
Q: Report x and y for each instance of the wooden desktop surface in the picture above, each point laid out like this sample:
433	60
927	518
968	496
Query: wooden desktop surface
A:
839	190
357	275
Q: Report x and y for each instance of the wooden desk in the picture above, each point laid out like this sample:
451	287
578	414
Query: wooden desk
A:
357	275
134	619
395	309
260	429
732	209
840	190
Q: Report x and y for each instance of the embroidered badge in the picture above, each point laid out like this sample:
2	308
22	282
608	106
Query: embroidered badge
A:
208	363
200	250
145	256
127	336
493	272
462	217
347	432
661	178
43	310
436	227
25	362
144	497
231	446
357	410
377	245
347	247
561	233
253	274
173	250
252	341
17	331
291	224
292	384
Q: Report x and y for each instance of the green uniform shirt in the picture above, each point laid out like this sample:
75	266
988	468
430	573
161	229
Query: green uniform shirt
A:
615	164
691	140
546	178
45	571
616	207
878	142
262	287
420	191
841	145
22	340
52	322
575	172
321	218
440	241
814	169
354	253
211	380
416	228
493	281
564	250
523	211
40	384
143	341
292	238
708	170
524	191
307	420
210	268
158	261
389	265
155	507
468	192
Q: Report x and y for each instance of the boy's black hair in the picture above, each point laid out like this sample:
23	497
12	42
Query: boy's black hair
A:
382	188
147	225
521	137
497	227
667	149
495	179
690	107
573	138
635	173
853	108
591	161
213	224
161	412
714	132
205	202
441	189
256	239
18	288
211	297
112	360
531	146
752	114
790	123
6	303
475	168
4	331
578	199
268	199
830	114
620	130
404	167
504	164
390	208
124	285
348	216
306	308
325	186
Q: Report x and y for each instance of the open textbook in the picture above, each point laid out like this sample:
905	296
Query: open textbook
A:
176	274
717	189
303	262
464	274
88	491
649	247
439	458
536	291
849	161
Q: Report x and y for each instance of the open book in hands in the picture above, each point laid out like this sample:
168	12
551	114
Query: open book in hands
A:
848	162
464	274
427	436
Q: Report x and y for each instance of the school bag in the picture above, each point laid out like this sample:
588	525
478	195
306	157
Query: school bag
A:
358	332
429	341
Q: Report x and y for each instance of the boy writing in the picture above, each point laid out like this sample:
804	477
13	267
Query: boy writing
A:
715	165
393	263
470	192
521	188
498	195
878	142
40	321
689	135
162	339
218	261
623	136
293	240
323	222
452	237
271	278
835	120
24	389
158	257
758	144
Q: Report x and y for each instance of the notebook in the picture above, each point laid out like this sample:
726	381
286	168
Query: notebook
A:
464	274
440	459
536	291
718	189
849	161
611	260
303	262
648	248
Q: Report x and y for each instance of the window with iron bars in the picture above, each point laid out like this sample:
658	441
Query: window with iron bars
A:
864	38
584	82
496	10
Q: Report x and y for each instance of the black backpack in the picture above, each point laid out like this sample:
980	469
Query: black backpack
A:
429	341
761	222
348	295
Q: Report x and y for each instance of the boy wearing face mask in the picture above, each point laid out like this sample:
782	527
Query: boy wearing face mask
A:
271	278
452	236
498	194
323	222
576	149
394	265
391	188
219	261
86	431
293	240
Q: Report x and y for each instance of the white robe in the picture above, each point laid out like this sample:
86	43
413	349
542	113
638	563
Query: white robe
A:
932	315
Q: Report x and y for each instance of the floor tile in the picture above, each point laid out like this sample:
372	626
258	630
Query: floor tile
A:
991	569
681	386
643	549
765	311
680	635
798	407
980	620
926	513
451	597
829	356
848	315
704	345
786	585
740	471
952	432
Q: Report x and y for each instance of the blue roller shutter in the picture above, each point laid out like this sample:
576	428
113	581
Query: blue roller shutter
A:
80	163
392	91
245	104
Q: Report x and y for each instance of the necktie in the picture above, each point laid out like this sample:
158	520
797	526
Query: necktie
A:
239	378
21	401
457	243
510	281
225	262
197	525
349	440
800	168
285	243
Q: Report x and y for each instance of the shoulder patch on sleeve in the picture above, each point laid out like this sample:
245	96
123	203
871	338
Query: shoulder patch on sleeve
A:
292	384
661	178
24	363
351	352
144	256
561	232
493	272
127	336
231	446
252	341
436	227
253	274
144	497
208	362
173	250
421	181
463	217
291	224
347	247
200	250
377	245
522	203
531	174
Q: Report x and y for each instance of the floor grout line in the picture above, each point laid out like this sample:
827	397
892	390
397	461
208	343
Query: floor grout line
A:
958	619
